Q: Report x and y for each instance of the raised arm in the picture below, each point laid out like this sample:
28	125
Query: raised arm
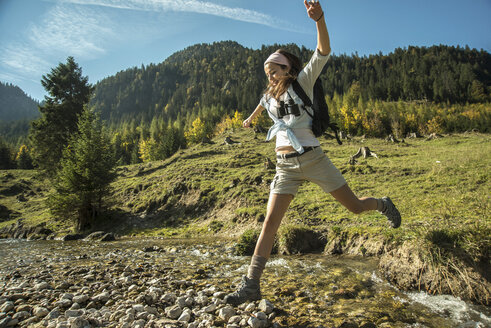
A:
315	12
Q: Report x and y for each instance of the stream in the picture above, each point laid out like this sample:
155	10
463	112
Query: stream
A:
311	290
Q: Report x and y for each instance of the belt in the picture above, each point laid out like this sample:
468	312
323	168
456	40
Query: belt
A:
295	154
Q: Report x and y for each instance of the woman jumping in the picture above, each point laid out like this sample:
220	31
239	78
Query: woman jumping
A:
298	152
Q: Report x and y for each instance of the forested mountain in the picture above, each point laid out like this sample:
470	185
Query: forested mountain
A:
229	77
16	110
15	104
152	111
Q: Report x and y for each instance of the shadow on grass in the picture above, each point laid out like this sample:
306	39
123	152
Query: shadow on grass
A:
165	213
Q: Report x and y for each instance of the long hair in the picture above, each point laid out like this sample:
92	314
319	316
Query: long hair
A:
284	82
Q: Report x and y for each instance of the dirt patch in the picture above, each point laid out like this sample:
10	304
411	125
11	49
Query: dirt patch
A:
226	213
355	245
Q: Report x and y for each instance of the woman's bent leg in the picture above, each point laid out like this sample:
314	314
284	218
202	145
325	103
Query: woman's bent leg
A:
348	199
358	205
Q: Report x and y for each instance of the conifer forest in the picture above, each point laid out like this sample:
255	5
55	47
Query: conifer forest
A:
151	111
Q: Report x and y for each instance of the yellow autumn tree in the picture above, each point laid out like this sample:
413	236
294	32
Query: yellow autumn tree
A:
146	149
23	158
262	120
197	132
237	120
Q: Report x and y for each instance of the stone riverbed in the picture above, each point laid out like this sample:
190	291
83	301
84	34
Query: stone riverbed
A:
137	283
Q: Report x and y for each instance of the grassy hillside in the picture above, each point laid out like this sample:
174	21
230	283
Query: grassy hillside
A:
441	186
442	183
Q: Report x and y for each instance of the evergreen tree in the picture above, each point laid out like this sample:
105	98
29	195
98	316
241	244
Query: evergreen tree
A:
86	170
6	161
68	92
24	159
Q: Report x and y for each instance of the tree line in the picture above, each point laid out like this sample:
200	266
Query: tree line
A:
231	75
149	110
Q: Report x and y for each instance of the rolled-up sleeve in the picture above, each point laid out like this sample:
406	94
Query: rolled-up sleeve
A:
311	71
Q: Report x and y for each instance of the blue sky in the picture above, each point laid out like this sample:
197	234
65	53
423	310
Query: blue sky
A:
107	36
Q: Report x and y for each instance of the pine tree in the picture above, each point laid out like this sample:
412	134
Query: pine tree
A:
6	161
24	159
68	92
86	170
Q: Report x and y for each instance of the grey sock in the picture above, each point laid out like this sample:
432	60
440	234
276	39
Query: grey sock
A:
256	267
380	205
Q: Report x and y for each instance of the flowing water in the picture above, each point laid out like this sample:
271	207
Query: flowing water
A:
308	290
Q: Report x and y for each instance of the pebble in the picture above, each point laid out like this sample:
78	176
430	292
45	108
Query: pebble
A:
20	316
102	297
261	316
234	319
80	299
184	317
210	308
6	307
266	306
254	322
113	295
42	286
173	312
226	313
250	307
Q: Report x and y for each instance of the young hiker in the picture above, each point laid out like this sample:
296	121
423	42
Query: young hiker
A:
299	156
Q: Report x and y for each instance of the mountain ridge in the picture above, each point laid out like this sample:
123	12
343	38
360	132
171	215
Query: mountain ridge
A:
228	75
15	104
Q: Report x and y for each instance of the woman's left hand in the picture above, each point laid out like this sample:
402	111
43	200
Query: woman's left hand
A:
314	9
247	123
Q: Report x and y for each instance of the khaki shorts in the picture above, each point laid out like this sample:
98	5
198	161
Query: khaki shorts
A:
312	166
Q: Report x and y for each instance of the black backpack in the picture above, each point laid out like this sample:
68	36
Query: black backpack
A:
320	119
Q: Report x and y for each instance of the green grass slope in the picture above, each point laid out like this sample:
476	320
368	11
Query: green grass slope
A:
441	187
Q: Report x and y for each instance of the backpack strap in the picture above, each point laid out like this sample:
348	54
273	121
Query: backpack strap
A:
301	93
307	102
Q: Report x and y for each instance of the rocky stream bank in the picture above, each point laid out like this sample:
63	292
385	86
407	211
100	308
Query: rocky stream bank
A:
162	283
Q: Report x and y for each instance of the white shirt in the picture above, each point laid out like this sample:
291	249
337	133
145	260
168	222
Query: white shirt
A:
301	126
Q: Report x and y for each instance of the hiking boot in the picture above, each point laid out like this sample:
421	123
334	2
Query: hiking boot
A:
248	291
391	212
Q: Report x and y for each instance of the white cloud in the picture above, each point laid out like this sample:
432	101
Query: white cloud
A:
78	31
63	31
78	28
21	58
194	6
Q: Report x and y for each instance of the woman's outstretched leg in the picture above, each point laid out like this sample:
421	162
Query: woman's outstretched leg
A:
249	290
384	205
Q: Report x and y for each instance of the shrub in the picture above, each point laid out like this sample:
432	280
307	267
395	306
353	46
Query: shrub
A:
215	226
247	242
297	239
197	132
